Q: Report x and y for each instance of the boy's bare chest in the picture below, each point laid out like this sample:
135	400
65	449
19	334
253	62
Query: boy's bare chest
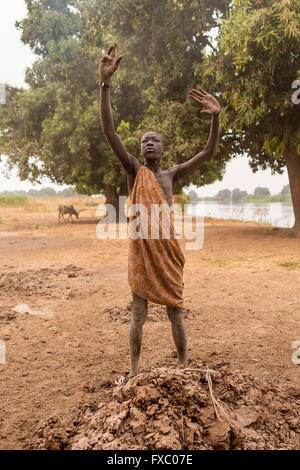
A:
164	179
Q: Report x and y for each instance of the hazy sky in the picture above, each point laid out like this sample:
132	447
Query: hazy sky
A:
15	57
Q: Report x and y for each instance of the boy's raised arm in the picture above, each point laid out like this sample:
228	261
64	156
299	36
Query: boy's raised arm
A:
211	107
107	68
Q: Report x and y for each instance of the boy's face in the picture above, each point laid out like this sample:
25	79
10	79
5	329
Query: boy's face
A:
151	145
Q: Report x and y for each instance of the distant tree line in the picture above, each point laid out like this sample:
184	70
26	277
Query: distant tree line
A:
44	192
237	195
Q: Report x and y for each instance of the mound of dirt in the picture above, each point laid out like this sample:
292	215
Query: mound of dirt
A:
182	409
155	313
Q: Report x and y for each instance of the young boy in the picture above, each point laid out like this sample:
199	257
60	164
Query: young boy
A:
155	266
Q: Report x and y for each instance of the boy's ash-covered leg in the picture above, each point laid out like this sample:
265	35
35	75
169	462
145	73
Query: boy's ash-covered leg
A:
175	315
139	316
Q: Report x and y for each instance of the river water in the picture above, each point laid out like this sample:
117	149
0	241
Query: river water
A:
277	214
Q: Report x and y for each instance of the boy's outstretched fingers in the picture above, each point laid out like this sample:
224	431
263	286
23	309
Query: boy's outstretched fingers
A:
114	50
203	91
119	59
199	93
196	98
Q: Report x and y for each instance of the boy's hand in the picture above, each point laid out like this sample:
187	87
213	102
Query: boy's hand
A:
109	63
209	103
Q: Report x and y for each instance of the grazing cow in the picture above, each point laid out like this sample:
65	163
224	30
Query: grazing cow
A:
67	210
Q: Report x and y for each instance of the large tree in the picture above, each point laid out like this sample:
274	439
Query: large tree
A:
257	61
163	42
52	129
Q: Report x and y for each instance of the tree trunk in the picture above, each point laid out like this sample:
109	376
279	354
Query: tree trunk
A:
112	197
293	166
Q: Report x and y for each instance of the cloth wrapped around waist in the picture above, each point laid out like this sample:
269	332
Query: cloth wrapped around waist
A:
155	258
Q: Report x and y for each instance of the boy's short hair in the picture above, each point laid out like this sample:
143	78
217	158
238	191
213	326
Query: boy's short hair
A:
155	132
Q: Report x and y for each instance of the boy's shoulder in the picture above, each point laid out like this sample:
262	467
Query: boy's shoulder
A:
135	165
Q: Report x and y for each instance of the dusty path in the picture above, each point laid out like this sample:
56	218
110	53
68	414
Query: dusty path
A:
242	289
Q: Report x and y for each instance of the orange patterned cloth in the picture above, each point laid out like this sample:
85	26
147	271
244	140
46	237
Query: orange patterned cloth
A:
155	266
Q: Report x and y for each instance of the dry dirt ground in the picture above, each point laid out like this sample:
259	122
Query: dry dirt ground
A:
242	302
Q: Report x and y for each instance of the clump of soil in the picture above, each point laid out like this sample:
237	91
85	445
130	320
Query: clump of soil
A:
155	313
177	409
6	314
41	282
